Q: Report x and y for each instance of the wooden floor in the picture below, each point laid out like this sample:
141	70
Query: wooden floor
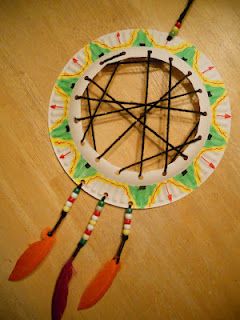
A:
182	261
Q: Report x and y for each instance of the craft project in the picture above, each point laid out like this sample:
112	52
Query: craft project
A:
86	97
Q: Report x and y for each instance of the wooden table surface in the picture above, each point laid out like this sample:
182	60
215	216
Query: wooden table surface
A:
182	261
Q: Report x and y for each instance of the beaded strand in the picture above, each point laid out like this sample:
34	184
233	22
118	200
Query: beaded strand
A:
66	208
125	232
174	31
127	221
91	224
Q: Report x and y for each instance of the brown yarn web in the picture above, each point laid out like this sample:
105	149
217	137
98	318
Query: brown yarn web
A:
122	108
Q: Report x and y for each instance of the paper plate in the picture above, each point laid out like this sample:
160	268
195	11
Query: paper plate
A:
153	188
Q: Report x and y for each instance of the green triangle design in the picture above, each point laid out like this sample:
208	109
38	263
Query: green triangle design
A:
216	140
188	54
67	84
61	131
188	179
216	92
81	171
96	50
141	196
142	38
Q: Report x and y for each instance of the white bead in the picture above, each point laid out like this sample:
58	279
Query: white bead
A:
95	218
90	227
74	195
128	216
127	226
98	208
68	204
85	236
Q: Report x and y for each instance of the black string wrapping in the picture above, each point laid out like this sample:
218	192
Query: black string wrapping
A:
168	116
90	115
145	115
148	106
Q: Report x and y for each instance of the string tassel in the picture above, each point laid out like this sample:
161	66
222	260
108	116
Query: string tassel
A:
37	251
33	256
104	278
60	295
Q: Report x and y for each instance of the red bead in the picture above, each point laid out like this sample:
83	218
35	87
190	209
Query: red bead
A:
97	213
88	232
127	221
178	24
71	199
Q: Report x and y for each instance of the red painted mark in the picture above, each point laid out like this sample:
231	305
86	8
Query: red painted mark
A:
169	194
225	116
210	164
208	69
54	106
75	60
62	156
118	37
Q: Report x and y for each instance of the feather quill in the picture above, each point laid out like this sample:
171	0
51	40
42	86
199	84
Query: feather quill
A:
59	299
99	285
32	256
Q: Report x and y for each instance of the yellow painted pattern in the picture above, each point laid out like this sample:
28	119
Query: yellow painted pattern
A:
117	184
65	100
196	164
157	190
123	45
214	117
70	144
84	66
172	49
201	74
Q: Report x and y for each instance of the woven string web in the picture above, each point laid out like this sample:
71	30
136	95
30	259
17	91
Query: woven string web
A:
146	107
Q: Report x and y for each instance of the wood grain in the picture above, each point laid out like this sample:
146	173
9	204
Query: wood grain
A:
182	261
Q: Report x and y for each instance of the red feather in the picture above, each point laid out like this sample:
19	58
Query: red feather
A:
59	299
99	285
32	256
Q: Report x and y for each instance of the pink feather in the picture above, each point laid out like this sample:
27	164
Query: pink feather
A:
59	299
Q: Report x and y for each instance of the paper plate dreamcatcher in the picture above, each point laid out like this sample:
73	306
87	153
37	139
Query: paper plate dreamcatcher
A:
104	162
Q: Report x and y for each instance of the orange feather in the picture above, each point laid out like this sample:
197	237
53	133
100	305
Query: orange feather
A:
99	285
32	256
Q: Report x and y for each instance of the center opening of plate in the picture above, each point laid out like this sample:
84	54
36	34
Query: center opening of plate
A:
140	114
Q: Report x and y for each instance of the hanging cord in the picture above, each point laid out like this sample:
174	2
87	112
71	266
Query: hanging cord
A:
174	31
71	199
